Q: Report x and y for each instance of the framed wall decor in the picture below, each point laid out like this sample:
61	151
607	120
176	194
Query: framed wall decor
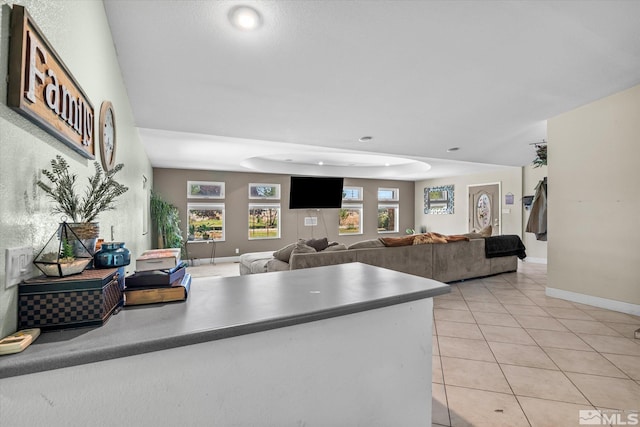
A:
205	190
439	200
107	138
264	191
42	88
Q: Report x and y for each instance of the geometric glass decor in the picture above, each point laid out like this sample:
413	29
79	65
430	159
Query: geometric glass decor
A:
59	257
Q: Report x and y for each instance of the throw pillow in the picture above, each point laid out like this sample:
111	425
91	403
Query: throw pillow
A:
367	244
486	231
285	253
422	239
302	248
473	235
318	244
398	241
336	247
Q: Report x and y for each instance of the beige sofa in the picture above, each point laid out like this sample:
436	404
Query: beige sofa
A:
445	262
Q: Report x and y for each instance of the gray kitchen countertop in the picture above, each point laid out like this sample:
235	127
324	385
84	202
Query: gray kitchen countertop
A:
219	308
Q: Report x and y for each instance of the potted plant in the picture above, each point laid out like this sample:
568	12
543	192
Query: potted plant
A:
166	219
82	210
58	258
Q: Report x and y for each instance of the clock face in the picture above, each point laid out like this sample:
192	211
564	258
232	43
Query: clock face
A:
107	136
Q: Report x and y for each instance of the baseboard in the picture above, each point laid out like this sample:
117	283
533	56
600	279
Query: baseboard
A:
609	304
535	260
201	261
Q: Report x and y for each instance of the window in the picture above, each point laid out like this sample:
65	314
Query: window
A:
264	191
350	221
205	221
205	190
388	218
388	194
264	221
352	194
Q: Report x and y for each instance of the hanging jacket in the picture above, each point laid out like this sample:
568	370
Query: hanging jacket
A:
538	217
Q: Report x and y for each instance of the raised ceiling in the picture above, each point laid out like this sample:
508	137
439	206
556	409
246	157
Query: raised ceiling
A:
419	77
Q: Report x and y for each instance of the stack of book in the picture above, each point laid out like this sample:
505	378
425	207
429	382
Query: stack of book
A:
160	276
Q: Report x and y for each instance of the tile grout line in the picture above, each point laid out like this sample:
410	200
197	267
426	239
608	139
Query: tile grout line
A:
444	384
498	363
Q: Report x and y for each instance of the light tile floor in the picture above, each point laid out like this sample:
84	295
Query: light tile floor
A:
507	355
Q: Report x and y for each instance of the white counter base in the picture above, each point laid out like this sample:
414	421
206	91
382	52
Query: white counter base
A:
371	368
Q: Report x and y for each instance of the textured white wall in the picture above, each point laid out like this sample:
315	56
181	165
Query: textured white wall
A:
594	199
79	32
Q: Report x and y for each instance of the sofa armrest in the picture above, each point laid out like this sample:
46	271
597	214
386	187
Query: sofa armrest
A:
275	264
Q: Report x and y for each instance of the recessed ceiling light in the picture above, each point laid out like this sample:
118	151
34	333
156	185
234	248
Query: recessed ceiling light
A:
387	164
365	138
245	18
321	163
452	149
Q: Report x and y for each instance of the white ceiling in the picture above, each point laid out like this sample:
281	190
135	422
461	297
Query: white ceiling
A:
418	76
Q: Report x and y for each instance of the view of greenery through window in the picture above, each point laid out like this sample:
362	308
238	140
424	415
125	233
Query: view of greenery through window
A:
387	218
350	221
264	221
205	222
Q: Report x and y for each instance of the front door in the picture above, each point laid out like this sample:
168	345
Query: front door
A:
484	207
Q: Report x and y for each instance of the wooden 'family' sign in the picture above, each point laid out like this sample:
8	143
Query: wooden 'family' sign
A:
42	88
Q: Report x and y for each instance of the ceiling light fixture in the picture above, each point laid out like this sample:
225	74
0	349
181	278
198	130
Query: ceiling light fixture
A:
365	139
452	149
245	18
321	163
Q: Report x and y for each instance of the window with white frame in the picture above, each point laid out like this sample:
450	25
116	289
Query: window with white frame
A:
264	191
264	221
205	222
351	194
350	221
388	217
388	194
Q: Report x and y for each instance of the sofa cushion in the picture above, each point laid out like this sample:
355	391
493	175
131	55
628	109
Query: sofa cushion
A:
398	241
302	248
336	247
275	264
485	232
285	253
318	244
428	238
366	244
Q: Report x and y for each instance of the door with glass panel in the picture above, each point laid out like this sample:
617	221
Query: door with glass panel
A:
484	207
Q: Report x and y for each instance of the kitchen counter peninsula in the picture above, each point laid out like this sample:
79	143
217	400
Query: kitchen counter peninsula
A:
349	342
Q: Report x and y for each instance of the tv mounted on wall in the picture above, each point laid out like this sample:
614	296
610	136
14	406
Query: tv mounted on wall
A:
307	192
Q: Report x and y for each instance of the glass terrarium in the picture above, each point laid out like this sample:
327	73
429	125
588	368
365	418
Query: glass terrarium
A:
59	257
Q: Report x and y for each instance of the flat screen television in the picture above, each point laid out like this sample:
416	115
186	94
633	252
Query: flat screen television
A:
308	192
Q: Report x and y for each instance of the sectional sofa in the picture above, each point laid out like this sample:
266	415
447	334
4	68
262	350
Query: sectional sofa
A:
445	262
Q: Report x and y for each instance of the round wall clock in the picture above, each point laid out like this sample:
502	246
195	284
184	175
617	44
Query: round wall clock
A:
107	136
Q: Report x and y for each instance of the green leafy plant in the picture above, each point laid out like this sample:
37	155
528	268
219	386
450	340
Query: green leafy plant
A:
166	219
67	254
541	156
99	196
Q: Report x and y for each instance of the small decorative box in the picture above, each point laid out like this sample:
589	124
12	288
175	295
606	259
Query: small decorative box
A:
85	299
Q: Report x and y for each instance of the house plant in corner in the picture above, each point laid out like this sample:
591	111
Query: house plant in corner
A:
166	218
99	196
